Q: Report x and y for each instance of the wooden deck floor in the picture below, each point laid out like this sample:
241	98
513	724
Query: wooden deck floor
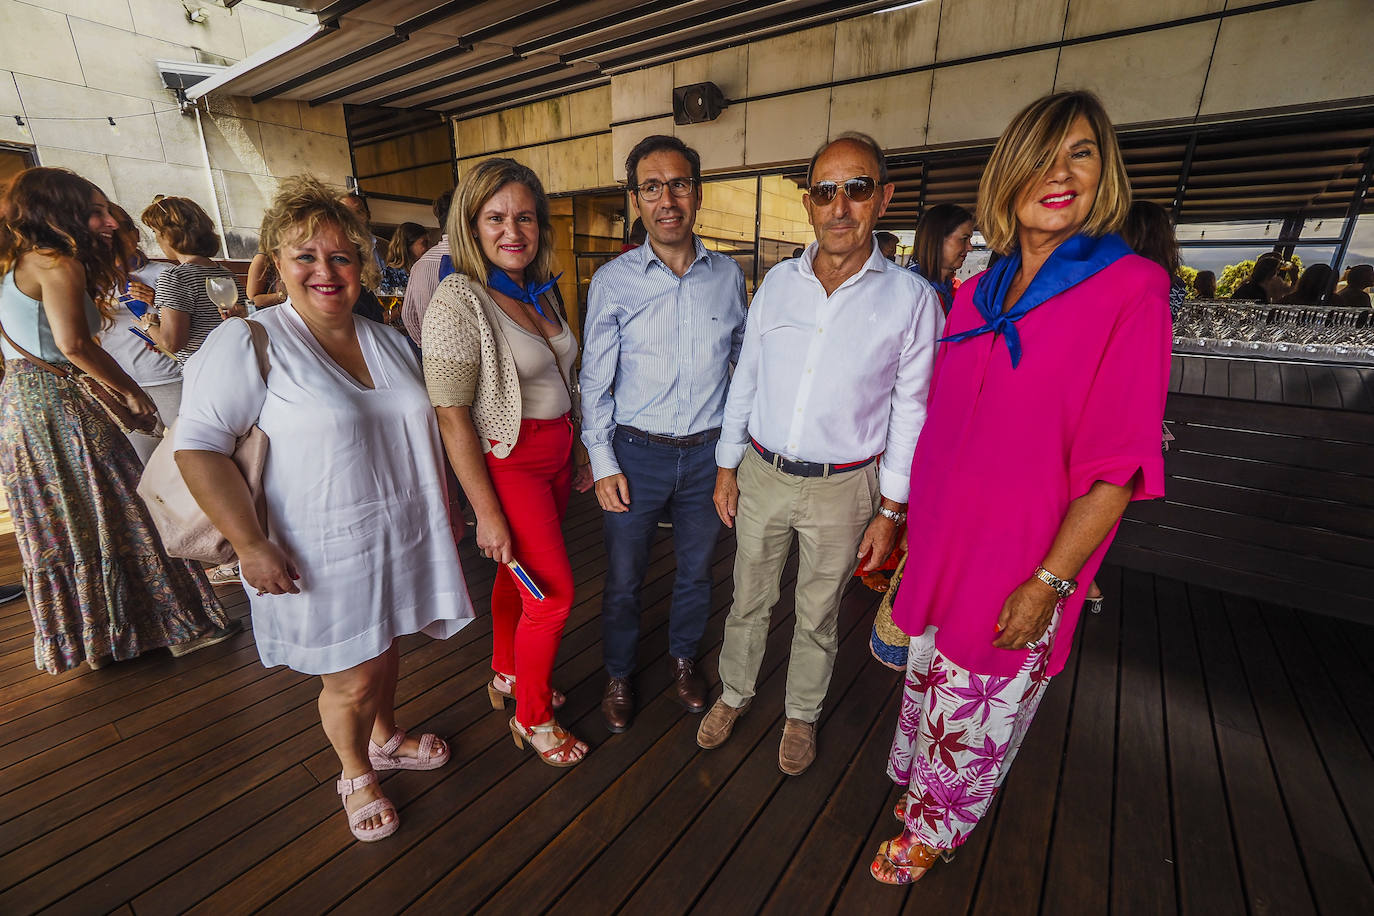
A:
1201	754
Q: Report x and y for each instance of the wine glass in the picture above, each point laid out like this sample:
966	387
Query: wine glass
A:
224	293
391	297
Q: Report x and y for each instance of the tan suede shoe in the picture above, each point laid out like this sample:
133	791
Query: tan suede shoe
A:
798	748
719	722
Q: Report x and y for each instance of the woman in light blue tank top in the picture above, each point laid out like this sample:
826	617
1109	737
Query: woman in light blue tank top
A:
100	586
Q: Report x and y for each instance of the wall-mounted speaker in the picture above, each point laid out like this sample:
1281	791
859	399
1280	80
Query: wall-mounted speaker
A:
697	103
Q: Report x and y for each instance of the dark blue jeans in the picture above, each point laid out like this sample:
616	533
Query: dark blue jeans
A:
680	480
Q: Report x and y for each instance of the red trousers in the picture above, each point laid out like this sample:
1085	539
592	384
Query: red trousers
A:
533	483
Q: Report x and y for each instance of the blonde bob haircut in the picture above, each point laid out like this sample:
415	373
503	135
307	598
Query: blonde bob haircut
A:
1026	152
479	186
302	206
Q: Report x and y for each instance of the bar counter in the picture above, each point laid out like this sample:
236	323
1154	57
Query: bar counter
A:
1269	483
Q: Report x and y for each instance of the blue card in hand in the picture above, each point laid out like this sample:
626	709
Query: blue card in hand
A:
526	580
137	306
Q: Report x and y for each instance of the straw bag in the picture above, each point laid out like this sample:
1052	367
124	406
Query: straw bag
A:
185	529
123	417
888	643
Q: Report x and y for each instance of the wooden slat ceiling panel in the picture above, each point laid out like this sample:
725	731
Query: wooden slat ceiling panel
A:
487	93
401	68
502	75
417	47
348	39
569	36
453	57
535	36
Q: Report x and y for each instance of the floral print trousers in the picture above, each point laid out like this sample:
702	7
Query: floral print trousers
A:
957	735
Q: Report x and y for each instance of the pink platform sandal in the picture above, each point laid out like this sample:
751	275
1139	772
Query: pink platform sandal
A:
502	688
347	787
427	758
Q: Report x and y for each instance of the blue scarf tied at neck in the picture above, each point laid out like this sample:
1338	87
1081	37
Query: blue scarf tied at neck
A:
944	290
1070	264
946	293
500	281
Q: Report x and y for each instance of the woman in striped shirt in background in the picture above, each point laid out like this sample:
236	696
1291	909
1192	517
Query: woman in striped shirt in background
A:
185	315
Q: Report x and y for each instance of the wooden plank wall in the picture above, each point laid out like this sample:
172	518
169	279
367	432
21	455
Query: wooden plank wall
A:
1270	486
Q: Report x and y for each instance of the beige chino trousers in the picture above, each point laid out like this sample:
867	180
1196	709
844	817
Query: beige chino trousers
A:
829	516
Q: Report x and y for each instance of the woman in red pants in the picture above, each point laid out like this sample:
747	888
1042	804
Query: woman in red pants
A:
498	357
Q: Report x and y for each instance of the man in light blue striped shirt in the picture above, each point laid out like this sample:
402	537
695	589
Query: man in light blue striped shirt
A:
664	324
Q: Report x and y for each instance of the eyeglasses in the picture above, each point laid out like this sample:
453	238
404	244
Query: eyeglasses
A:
857	189
651	191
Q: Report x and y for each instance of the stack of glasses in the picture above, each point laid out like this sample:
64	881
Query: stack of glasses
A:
1310	333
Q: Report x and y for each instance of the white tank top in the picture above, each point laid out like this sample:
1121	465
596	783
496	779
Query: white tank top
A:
543	394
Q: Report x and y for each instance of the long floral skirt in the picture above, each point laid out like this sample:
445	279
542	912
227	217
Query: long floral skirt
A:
98	581
958	733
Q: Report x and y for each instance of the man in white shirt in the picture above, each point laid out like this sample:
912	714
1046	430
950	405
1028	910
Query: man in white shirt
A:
834	370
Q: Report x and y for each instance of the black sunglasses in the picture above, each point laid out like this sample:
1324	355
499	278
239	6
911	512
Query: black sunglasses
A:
857	189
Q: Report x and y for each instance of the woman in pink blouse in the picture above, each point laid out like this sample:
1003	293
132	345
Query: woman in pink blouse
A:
1044	418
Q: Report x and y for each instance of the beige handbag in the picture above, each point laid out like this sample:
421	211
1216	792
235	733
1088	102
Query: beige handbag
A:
185	529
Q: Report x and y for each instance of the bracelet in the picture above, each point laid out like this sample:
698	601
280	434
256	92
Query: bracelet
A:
1063	587
892	515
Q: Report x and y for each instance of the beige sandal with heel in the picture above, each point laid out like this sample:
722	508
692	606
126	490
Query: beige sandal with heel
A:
561	755
502	688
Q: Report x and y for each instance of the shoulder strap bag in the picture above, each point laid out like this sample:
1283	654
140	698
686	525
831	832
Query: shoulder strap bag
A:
113	404
185	529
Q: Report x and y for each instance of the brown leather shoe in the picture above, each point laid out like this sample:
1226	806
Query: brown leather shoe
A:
691	687
718	724
618	704
798	748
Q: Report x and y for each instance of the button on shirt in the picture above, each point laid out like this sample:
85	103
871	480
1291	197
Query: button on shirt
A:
657	348
836	378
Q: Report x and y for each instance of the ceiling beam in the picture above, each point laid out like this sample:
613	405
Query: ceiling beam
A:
363	53
387	76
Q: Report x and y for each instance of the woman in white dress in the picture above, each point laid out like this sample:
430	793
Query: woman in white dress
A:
357	550
158	374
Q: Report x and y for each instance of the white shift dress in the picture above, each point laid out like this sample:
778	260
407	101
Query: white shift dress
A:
354	488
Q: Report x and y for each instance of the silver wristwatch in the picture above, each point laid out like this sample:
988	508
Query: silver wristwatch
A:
1063	587
892	515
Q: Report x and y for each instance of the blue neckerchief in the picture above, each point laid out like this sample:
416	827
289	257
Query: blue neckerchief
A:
1071	263
944	290
946	293
500	281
